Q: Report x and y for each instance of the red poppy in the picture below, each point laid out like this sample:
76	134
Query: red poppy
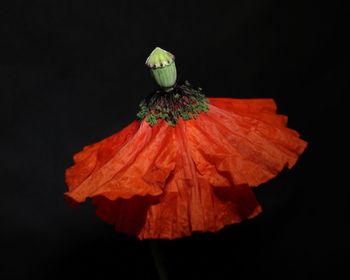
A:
166	181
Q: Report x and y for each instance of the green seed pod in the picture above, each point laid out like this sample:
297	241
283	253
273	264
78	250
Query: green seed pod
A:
163	68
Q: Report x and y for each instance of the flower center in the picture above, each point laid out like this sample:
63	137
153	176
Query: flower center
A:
182	101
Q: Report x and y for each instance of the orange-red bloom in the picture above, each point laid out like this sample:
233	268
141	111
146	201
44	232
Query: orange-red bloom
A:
167	182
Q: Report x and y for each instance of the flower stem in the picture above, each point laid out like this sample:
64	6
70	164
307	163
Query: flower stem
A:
158	258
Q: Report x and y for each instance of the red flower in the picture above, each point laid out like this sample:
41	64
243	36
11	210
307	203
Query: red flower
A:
167	182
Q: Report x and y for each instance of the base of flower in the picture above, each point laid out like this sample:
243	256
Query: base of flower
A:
180	101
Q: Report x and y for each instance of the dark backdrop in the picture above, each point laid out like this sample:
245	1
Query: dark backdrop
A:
72	73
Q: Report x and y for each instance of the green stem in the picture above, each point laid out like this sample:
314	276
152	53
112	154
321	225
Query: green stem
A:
158	258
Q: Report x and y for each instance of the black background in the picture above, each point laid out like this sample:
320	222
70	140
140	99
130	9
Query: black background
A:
72	73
